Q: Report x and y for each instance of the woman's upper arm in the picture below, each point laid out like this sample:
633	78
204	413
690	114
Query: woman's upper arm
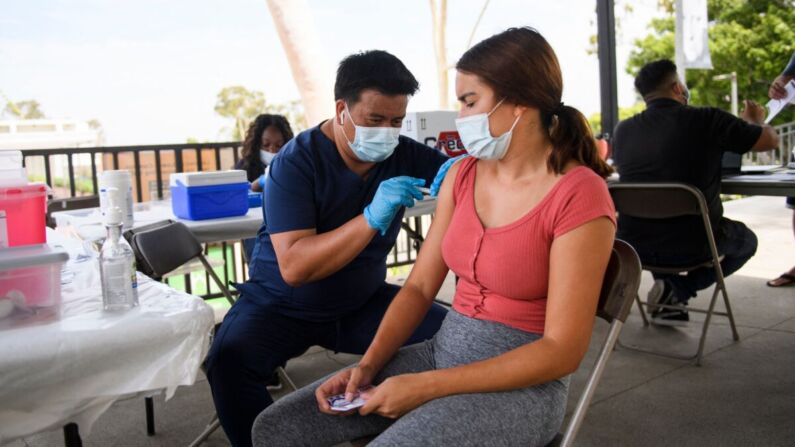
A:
578	260
430	270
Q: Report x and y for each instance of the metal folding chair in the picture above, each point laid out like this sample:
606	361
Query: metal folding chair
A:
160	248
619	289
663	201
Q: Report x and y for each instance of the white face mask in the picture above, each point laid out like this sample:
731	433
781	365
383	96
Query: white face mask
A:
476	136
266	157
372	144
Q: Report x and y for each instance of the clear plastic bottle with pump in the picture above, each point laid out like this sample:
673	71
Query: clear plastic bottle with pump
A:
117	262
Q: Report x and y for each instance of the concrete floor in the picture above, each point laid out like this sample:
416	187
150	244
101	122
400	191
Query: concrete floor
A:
744	394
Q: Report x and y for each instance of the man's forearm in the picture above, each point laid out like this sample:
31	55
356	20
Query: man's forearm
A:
318	256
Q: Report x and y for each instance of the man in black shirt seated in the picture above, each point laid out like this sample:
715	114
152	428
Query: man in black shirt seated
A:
673	142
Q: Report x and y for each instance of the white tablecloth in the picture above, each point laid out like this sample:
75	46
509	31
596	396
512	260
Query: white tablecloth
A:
72	370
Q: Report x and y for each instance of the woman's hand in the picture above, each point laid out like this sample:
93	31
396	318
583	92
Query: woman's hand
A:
347	381
397	396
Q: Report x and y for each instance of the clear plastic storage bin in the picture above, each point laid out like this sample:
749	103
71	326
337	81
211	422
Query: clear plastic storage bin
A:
30	284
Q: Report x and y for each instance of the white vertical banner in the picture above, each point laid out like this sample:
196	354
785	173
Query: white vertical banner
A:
692	38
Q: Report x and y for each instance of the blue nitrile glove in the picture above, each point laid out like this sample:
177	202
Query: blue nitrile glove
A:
390	196
440	175
262	182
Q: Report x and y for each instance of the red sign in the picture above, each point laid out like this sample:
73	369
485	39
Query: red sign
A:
450	143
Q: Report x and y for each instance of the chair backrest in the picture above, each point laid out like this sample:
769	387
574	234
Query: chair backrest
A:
621	283
69	204
619	289
657	200
662	201
163	247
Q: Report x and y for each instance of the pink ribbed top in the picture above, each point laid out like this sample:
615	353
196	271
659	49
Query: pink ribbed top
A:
504	271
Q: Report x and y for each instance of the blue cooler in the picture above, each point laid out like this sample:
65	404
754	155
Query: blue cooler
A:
209	195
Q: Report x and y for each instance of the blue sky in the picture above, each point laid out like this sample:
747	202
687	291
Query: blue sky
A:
149	70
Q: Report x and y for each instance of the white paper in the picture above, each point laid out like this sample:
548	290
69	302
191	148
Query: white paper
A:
774	106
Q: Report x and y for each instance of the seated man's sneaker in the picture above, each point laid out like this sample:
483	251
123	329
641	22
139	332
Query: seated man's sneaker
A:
670	317
662	293
659	292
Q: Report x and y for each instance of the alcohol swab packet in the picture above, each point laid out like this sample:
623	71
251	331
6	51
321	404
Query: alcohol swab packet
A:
339	403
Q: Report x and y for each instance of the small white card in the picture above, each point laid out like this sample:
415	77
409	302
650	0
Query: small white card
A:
774	106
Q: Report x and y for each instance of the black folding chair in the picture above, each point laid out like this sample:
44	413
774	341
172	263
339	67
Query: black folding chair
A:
160	248
69	204
664	201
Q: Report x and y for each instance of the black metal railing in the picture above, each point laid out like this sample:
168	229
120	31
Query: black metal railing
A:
74	172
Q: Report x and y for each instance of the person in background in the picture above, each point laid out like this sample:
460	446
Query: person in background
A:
265	136
527	224
671	141
334	199
778	91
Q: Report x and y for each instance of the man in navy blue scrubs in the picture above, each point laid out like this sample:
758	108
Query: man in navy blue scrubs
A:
334	200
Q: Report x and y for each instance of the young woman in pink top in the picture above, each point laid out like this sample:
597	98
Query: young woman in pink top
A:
527	225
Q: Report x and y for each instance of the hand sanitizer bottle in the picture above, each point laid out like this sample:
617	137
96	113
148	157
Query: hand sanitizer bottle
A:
117	261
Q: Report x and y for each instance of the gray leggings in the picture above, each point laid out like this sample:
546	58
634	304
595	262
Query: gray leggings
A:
527	417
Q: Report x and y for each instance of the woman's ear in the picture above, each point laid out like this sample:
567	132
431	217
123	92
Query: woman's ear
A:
519	110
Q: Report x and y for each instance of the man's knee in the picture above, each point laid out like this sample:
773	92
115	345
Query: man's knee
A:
232	358
741	242
749	243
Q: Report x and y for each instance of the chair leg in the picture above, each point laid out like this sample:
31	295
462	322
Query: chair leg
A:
729	313
703	339
209	430
285	378
150	416
642	312
698	356
211	272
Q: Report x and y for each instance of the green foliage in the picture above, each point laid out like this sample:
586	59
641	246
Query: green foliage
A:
754	38
26	110
83	185
595	120
243	106
293	111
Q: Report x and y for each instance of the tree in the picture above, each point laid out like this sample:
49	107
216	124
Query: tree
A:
595	120
754	38
241	105
25	110
293	111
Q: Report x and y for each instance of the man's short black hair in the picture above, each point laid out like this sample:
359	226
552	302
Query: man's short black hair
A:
654	75
374	69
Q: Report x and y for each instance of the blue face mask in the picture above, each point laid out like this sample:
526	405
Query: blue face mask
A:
476	136
372	144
